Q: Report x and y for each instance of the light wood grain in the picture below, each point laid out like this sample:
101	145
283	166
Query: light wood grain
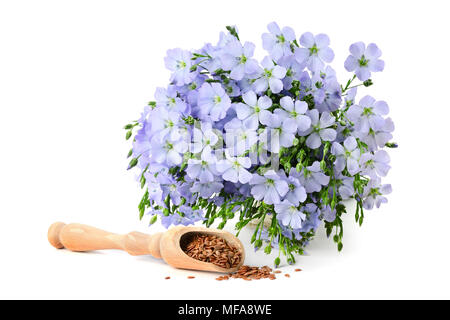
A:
80	237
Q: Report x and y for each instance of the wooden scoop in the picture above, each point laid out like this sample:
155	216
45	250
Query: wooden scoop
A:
167	245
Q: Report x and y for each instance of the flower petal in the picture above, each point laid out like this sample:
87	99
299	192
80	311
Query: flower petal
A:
381	107
279	72
313	141
250	98
350	143
326	120
357	49
322	41
372	52
326	54
276	85
264	102
287	103
328	134
303	123
307	40
282	187
243	111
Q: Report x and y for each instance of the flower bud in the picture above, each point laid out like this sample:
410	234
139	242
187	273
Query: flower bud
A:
132	163
276	262
128	135
153	219
368	83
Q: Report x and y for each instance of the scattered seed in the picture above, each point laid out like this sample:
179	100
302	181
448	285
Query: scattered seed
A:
254	273
191	277
277	271
167	278
297	270
287	275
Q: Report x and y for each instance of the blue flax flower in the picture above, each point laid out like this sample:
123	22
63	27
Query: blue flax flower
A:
368	114
270	77
373	193
254	110
168	99
347	155
270	187
278	133
213	101
289	215
204	168
320	129
179	62
364	60
313	178
315	51
234	169
237	59
238	137
278	41
297	192
375	165
295	111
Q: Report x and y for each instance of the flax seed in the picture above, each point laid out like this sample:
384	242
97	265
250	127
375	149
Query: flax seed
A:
191	277
297	270
213	249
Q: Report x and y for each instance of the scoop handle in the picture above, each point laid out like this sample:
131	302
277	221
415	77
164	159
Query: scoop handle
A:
80	237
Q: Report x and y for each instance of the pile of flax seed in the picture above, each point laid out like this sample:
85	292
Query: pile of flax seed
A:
213	249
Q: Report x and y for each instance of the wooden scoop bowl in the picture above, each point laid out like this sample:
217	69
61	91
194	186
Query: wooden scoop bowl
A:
166	245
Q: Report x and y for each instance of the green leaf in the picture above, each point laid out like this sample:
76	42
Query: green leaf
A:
210	221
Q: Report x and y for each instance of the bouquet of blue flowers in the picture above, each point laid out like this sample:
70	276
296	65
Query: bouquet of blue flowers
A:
279	144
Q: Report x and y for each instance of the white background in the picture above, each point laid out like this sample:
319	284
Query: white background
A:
72	73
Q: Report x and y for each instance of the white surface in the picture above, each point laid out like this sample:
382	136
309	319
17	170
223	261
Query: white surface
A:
72	73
